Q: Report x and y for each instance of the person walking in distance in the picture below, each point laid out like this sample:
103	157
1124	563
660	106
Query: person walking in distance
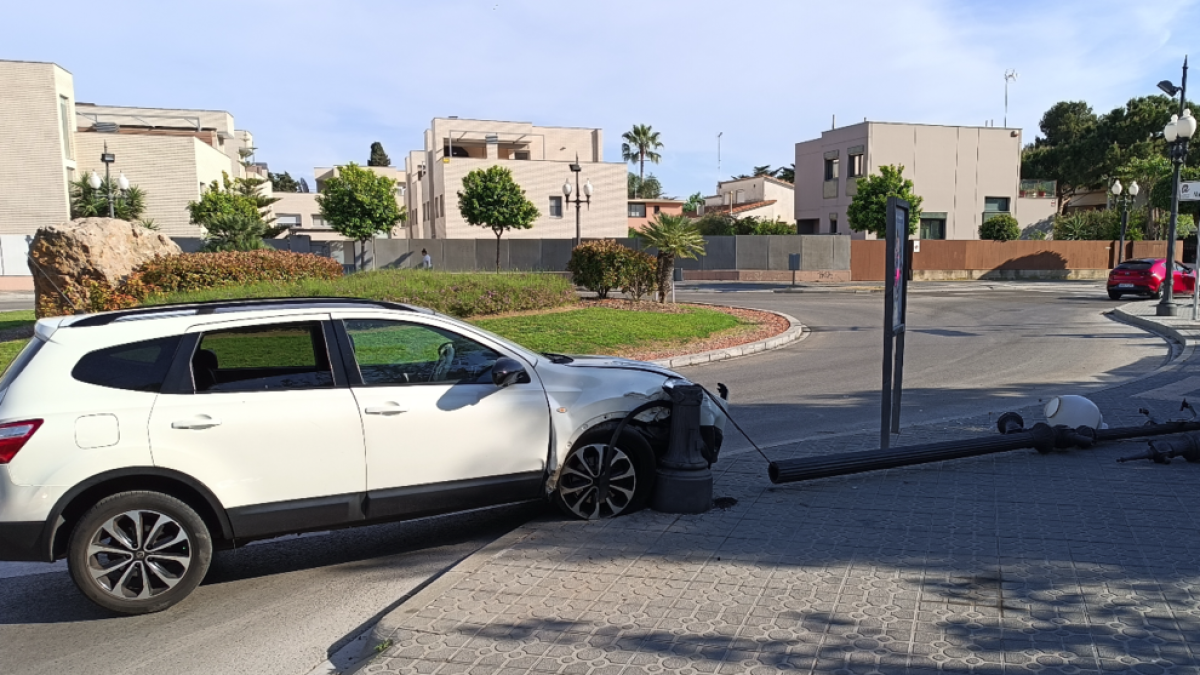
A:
426	260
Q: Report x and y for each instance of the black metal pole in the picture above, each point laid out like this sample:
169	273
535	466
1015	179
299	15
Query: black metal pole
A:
578	201
898	367
108	185
885	412
1124	222
1166	306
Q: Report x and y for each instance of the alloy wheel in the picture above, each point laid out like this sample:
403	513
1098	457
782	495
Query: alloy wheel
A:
139	554
579	486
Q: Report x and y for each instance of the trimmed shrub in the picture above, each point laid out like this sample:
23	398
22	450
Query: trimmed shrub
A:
198	271
596	265
639	274
1000	228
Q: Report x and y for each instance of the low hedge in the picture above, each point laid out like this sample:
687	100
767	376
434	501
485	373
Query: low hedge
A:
604	265
198	271
461	295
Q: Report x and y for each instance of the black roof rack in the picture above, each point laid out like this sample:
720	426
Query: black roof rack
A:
239	305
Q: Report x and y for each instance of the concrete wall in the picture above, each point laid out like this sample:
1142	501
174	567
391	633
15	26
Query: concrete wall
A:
35	165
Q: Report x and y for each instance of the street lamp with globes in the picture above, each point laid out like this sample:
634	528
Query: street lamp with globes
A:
586	192
122	182
1125	203
1177	133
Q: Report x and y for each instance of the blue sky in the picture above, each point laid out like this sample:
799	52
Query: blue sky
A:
317	82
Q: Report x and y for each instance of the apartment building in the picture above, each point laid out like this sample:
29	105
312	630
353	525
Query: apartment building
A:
964	175
50	139
540	159
763	197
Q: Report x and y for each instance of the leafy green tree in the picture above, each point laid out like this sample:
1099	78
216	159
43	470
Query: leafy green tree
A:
88	202
378	156
250	188
491	198
1160	198
649	188
359	204
235	231
639	145
674	236
283	182
222	198
1000	228
787	173
1099	225
724	225
693	203
868	210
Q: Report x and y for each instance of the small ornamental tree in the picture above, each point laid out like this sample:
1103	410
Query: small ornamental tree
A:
674	237
1000	228
221	198
491	198
359	204
868	210
378	156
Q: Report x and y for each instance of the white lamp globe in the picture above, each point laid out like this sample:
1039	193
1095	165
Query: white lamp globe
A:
1134	189
1171	130
1186	125
1116	187
94	181
567	189
122	182
587	188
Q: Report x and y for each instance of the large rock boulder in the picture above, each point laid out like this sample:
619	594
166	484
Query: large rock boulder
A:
69	260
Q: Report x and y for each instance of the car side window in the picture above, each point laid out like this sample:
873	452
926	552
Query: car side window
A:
396	352
136	366
262	358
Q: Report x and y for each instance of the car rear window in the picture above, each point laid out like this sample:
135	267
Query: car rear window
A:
136	366
18	364
1135	265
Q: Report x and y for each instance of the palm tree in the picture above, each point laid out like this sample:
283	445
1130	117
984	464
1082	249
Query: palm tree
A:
674	236
640	144
764	170
787	173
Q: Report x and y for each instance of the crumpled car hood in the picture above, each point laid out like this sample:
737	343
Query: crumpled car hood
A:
618	362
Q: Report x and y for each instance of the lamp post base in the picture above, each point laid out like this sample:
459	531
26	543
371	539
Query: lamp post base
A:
1166	309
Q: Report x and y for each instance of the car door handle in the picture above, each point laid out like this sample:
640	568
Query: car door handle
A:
390	409
197	422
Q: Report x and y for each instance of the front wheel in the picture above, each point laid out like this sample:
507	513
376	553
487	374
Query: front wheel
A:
630	479
139	552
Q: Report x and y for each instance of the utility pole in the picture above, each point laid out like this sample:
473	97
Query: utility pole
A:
1009	76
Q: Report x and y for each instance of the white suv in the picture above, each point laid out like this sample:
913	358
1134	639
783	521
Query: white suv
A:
135	443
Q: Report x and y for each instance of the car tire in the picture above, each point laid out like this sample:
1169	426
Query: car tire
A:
1113	295
155	548
631	478
1155	295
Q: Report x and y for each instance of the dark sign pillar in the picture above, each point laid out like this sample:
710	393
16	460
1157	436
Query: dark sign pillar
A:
896	297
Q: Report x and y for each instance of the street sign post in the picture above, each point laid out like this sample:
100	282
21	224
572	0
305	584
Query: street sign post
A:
1189	191
895	299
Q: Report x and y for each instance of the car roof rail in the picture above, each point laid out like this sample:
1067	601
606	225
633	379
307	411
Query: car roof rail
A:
238	305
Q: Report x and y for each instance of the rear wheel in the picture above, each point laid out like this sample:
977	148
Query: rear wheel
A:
1114	295
139	552
630	480
1156	295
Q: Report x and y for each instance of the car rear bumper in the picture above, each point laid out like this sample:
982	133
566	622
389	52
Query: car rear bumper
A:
22	541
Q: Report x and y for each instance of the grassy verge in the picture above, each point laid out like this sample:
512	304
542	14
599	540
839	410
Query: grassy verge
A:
601	330
461	295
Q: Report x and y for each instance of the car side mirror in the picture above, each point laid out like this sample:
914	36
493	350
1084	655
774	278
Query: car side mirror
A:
508	371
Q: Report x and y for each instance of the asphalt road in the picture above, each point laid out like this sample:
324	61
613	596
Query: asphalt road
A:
284	606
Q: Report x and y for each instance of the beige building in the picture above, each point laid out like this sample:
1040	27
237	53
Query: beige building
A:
963	174
301	214
763	197
539	158
49	140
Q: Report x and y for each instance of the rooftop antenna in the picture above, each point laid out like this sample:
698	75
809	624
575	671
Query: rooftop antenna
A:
1010	75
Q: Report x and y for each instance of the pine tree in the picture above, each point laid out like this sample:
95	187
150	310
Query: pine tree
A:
378	156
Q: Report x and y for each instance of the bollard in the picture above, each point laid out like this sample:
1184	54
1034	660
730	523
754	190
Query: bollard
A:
683	480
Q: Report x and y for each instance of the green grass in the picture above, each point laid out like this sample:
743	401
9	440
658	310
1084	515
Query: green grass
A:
17	319
461	295
600	330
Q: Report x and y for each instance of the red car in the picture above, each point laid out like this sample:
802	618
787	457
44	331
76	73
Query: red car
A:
1145	277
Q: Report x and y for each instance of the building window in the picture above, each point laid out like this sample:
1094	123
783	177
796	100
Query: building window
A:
637	210
831	169
856	166
995	204
657	210
833	223
288	220
318	221
64	112
441	206
521	154
933	228
556	207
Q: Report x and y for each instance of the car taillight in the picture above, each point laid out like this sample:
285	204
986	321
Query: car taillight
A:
13	437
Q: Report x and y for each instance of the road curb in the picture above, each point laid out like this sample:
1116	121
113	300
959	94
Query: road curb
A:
795	332
383	632
1187	338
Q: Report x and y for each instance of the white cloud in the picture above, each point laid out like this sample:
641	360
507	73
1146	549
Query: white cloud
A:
317	82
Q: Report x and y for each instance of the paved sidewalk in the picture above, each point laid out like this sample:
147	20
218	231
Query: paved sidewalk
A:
1014	562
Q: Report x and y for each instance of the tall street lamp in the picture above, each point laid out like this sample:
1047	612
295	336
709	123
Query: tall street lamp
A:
122	182
1177	133
1125	203
586	193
